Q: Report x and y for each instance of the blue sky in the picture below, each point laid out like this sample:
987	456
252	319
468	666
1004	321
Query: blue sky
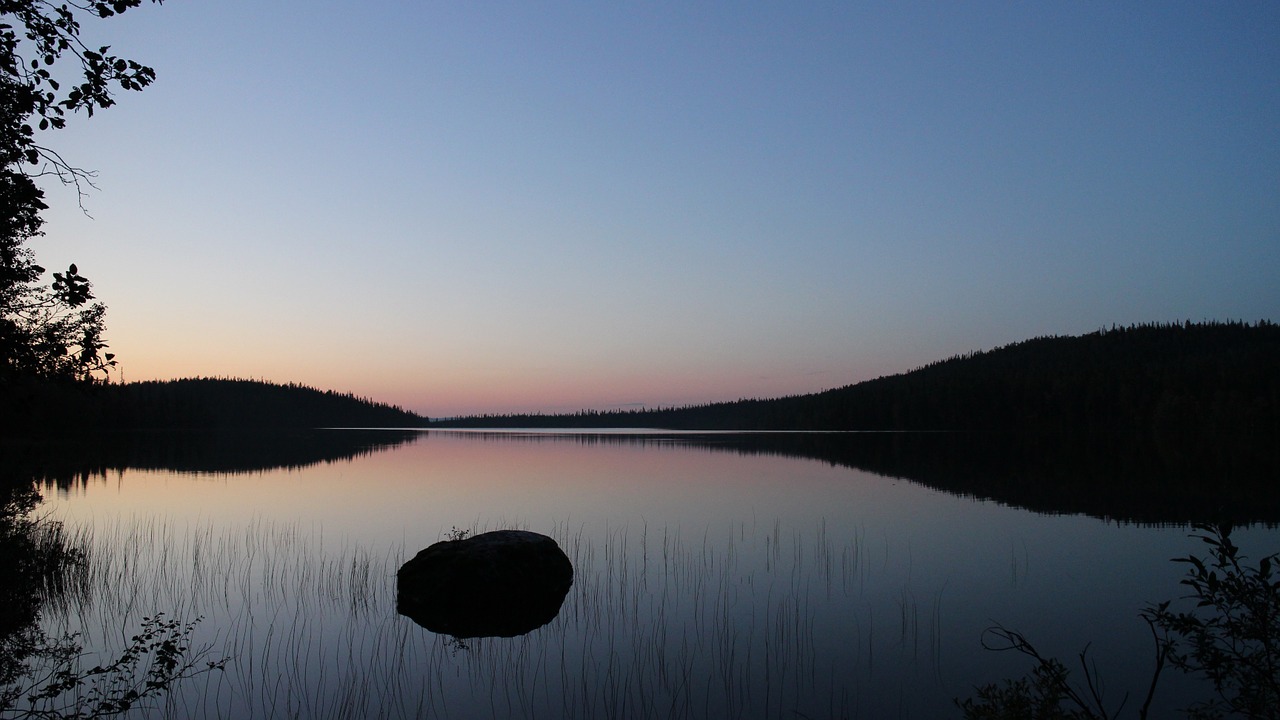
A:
549	206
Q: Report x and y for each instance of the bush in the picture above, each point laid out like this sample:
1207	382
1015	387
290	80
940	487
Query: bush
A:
157	657
1230	636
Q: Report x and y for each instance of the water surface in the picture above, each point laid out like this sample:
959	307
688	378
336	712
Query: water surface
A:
715	576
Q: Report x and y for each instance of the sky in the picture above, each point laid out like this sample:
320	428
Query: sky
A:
507	207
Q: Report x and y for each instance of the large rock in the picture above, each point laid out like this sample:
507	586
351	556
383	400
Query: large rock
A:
502	583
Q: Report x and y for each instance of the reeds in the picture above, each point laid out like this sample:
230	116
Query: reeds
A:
662	622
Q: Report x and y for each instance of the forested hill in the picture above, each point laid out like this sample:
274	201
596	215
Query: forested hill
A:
1196	377
216	403
204	403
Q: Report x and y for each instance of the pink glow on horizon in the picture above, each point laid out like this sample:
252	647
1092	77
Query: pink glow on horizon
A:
445	394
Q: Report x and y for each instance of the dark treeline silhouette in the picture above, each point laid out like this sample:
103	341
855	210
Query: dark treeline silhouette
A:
1222	377
195	403
226	403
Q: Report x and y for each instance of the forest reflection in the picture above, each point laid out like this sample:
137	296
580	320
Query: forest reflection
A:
1124	478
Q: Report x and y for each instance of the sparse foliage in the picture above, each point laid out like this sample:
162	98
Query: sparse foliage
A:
37	40
159	656
47	72
48	677
1231	636
1039	696
1048	693
54	331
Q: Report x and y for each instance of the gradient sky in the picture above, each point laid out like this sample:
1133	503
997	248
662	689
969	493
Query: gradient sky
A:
483	207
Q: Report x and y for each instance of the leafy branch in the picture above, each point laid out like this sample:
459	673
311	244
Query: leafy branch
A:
36	36
1230	636
157	658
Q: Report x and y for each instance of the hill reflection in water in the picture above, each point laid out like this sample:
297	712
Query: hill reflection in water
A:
63	463
1108	476
1165	481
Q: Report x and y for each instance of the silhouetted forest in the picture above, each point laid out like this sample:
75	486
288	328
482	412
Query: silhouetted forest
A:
1166	380
1220	377
198	403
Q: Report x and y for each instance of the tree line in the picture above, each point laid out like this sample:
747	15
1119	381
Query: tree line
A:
1220	377
201	403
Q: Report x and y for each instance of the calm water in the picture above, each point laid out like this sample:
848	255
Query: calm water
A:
710	580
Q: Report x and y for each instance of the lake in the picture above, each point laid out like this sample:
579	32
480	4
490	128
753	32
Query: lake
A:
716	575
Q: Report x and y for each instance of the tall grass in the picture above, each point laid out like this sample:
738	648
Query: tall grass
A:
759	621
